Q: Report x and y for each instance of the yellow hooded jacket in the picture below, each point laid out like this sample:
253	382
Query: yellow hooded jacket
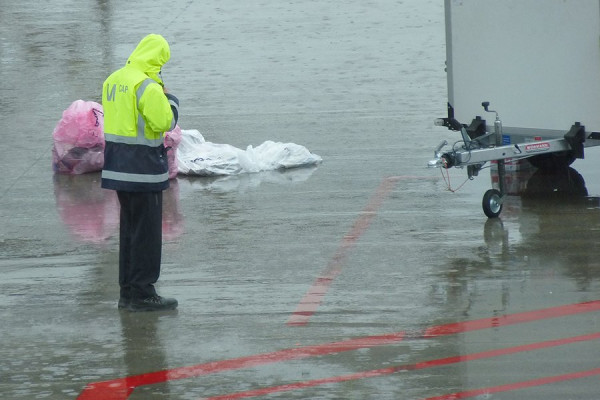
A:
136	114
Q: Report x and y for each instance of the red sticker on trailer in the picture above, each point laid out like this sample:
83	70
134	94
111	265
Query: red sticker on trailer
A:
543	146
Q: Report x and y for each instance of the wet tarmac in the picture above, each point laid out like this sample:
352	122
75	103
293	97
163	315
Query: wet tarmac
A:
361	278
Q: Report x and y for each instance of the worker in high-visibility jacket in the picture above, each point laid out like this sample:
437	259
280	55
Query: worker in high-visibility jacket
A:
137	112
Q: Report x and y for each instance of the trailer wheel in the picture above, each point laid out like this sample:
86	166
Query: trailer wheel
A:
492	203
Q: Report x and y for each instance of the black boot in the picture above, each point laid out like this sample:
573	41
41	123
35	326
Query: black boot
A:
152	303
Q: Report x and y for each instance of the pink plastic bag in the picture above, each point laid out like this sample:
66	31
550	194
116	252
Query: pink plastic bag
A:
172	140
79	139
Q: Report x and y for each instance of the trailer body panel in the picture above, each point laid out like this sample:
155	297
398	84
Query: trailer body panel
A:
536	62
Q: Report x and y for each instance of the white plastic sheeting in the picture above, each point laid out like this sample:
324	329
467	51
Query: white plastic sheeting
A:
196	156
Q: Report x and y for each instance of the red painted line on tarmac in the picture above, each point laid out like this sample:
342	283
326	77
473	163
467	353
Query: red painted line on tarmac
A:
412	367
313	298
519	385
120	389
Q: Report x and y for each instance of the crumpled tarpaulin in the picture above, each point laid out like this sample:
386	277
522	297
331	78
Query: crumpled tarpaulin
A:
196	156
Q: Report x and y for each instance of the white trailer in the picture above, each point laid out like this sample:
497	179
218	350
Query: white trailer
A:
537	64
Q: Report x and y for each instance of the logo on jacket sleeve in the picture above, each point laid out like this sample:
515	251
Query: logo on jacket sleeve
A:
110	92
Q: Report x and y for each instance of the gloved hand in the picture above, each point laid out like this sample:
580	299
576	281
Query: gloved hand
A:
174	102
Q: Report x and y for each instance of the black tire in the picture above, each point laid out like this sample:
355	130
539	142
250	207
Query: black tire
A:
492	205
552	161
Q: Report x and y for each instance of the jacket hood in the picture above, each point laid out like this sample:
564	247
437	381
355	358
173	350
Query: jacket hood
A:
150	55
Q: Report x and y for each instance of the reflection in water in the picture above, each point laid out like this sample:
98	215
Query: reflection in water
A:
144	350
243	182
92	213
566	218
542	236
545	229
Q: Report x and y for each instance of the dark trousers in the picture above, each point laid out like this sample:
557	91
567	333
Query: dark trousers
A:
140	243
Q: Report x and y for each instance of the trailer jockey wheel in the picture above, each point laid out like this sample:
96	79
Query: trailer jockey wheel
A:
492	203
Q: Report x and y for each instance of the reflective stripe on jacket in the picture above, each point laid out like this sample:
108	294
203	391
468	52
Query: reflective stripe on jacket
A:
136	115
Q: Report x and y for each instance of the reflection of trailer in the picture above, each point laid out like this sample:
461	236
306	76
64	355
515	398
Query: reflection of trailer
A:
538	63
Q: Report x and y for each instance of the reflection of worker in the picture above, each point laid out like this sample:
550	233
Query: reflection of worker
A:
92	214
137	112
143	347
89	212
